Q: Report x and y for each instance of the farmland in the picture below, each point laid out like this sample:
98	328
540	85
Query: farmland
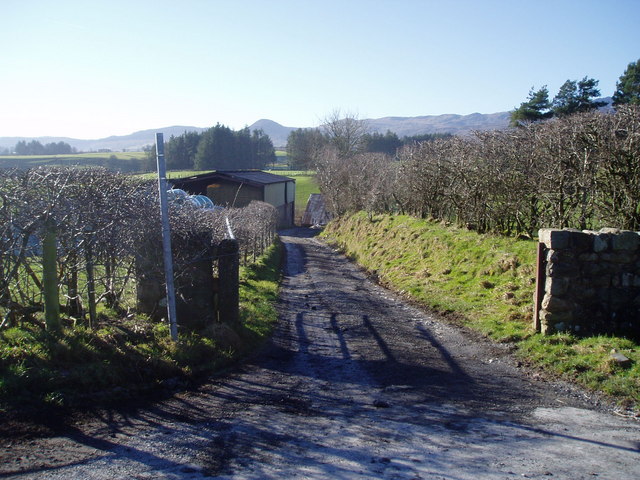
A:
136	162
123	161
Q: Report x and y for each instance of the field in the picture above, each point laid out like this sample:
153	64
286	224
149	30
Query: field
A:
174	174
281	163
305	185
125	161
106	159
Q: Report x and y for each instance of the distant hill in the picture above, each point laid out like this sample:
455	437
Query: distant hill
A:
117	143
277	133
406	126
402	126
456	124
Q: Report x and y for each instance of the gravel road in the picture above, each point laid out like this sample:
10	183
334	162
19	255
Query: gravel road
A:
355	384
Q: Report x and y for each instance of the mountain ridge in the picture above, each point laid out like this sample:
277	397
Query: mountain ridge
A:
401	126
135	141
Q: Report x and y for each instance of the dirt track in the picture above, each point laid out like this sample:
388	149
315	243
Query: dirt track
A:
355	384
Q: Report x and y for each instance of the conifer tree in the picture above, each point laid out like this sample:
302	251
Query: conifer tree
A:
628	86
576	96
536	108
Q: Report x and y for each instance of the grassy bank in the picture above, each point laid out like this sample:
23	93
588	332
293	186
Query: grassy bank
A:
485	282
127	357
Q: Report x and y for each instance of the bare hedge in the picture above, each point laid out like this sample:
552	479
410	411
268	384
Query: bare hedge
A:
580	171
102	222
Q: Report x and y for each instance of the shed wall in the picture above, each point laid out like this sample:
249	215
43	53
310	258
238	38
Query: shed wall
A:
291	192
275	194
282	196
233	194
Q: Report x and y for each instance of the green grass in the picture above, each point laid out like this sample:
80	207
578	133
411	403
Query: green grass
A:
77	156
588	360
121	161
306	184
173	174
259	283
124	357
29	161
486	282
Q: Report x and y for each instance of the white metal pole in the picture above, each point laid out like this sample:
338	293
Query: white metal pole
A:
166	237
229	231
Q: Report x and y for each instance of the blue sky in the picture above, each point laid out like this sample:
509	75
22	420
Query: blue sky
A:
90	69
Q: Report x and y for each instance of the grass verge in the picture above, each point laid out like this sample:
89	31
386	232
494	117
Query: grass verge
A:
124	358
486	282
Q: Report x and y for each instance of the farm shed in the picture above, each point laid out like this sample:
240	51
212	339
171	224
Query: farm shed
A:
238	188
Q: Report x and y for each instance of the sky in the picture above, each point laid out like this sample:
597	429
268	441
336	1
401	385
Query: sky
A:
91	69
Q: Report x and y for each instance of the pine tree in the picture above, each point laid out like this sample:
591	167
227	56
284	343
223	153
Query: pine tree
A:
576	96
536	108
628	86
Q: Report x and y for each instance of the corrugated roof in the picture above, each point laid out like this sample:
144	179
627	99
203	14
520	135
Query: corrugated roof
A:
257	176
246	176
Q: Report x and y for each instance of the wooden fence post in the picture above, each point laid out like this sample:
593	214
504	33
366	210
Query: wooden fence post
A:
50	291
229	283
540	285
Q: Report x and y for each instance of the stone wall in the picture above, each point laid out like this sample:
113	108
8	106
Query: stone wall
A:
588	282
201	298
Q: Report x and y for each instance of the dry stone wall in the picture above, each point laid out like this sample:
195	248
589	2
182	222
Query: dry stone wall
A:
589	282
201	298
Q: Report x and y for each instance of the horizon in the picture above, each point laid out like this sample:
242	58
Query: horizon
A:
73	75
159	129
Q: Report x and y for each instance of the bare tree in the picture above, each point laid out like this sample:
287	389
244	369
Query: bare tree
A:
618	144
345	132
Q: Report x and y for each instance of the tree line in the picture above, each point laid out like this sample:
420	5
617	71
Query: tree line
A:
34	147
577	96
218	148
304	144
